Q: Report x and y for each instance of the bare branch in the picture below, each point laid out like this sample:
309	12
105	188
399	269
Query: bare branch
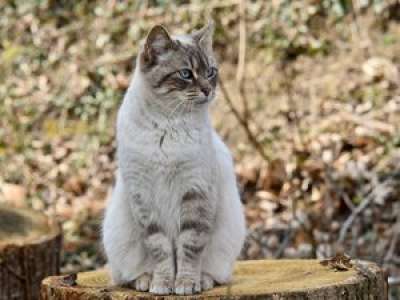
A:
394	240
349	221
394	281
242	42
379	190
243	122
241	69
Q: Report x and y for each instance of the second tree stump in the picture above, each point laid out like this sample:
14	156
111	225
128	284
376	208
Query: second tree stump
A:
30	248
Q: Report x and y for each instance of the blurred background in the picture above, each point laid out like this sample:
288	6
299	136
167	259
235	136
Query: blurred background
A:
308	103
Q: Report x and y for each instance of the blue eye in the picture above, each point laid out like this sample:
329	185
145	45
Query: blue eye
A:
211	72
186	74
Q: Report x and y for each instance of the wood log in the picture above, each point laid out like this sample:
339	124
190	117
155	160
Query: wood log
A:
30	246
261	279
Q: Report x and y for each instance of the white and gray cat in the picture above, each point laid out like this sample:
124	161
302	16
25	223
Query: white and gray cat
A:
174	223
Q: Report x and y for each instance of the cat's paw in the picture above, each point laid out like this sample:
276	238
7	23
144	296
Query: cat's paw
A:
142	283
207	282
161	286
186	285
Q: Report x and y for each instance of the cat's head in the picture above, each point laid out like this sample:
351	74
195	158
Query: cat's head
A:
180	68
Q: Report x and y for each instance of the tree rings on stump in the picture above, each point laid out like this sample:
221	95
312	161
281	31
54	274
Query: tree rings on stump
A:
261	279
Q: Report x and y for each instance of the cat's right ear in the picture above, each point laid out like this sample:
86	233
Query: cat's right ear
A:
158	41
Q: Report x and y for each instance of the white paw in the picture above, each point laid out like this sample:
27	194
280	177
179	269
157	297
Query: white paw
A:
187	286
161	286
207	282
142	283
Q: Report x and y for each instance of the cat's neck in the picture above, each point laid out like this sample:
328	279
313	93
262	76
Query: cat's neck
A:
146	111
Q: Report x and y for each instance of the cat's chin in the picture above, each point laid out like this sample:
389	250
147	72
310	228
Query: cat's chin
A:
202	101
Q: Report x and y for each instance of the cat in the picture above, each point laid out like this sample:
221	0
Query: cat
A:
174	223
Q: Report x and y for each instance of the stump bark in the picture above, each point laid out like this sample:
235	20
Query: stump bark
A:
262	279
30	248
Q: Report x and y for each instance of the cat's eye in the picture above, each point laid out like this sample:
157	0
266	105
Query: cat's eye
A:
186	74
211	72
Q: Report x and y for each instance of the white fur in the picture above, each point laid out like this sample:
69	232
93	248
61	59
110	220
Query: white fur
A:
190	140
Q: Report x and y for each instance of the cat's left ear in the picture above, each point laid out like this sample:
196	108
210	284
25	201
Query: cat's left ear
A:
158	41
204	36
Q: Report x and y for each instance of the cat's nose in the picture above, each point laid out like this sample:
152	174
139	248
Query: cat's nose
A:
206	90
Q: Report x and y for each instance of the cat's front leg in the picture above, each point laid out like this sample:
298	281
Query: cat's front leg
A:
196	221
159	249
137	174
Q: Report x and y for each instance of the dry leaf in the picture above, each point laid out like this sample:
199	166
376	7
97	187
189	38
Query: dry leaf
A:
340	262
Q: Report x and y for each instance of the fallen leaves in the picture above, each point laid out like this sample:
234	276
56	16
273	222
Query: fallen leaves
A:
62	89
70	280
381	68
273	176
340	262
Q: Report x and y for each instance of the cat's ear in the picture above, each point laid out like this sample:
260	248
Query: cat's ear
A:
204	36
158	41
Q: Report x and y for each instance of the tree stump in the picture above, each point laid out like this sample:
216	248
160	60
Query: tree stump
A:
29	251
261	279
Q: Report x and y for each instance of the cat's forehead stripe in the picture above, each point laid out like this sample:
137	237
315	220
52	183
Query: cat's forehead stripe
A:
197	58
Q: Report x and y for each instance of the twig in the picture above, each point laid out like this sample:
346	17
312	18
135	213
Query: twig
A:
374	190
241	69
242	41
354	15
332	184
353	216
354	234
394	240
289	235
392	281
392	247
288	85
243	122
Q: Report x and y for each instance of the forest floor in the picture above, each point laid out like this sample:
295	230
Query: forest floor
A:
315	130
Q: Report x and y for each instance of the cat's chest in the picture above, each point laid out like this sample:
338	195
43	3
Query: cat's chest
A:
172	146
183	157
171	155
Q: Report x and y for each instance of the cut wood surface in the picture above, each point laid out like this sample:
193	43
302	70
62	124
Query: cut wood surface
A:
30	246
261	279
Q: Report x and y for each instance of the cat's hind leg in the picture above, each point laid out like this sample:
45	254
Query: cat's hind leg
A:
229	232
224	248
122	241
207	282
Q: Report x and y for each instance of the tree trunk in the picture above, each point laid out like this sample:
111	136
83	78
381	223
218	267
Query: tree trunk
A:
262	279
29	251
